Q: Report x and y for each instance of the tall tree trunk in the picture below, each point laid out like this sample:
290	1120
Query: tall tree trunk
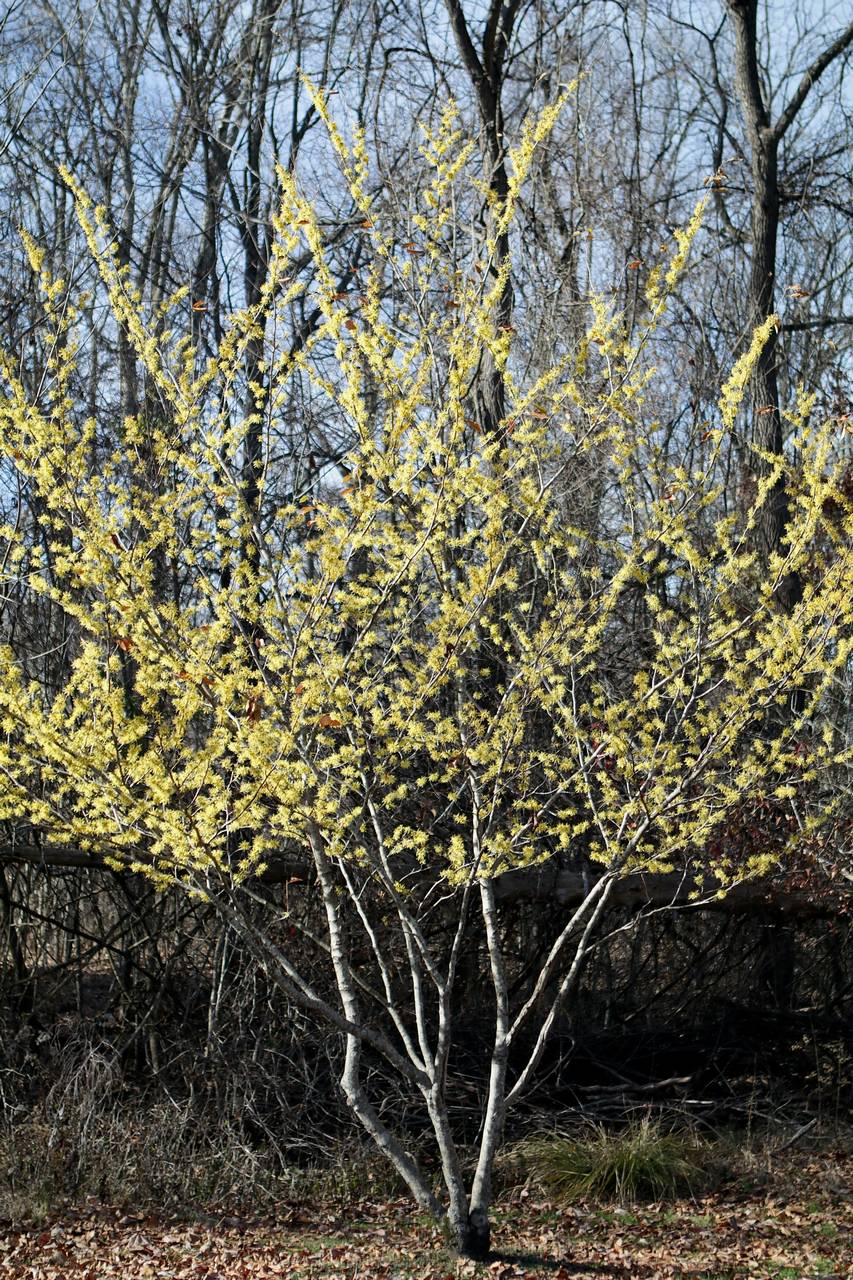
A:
764	136
485	68
761	297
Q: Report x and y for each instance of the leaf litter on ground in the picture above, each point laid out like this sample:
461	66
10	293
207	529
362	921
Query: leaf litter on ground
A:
794	1225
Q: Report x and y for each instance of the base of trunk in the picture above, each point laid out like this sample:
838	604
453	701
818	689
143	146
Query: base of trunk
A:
473	1236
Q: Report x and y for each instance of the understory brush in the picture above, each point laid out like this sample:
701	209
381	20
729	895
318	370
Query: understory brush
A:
91	1135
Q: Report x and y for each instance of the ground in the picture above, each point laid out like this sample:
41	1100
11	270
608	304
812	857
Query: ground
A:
794	1223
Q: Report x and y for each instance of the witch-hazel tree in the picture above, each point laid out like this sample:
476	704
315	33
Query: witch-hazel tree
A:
419	673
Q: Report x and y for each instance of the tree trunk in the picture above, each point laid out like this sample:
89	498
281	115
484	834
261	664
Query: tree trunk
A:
471	1236
764	136
764	220
22	986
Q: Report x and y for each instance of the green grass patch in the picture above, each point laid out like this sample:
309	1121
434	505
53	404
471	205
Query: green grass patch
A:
642	1161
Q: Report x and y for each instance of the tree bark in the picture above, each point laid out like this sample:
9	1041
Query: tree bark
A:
764	137
485	70
767	437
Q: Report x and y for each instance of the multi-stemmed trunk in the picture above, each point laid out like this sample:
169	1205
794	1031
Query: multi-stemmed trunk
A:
415	1039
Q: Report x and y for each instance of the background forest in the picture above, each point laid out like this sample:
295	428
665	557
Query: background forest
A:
143	1052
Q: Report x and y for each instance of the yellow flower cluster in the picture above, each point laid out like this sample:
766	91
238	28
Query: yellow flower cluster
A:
420	665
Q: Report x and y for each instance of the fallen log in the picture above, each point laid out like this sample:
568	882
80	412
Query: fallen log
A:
549	882
659	890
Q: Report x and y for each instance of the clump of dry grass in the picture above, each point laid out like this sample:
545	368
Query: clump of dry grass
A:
642	1161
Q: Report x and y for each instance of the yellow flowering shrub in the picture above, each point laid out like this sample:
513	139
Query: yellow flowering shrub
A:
428	659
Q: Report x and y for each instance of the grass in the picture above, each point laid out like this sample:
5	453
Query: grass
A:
719	1235
386	1241
86	1159
642	1161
